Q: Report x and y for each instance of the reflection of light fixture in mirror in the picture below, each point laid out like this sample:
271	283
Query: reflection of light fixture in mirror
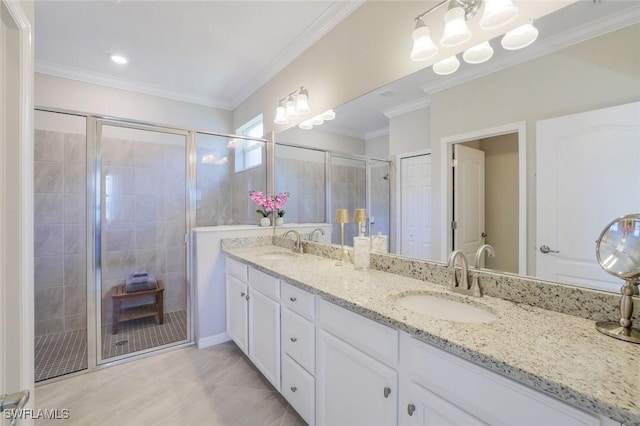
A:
478	54
360	217
119	59
447	66
292	106
456	31
520	37
423	46
342	217
317	120
306	125
328	115
497	13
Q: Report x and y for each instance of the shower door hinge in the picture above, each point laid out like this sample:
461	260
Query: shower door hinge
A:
454	225
454	162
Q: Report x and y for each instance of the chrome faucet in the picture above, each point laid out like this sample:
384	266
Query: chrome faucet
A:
298	244
491	252
463	285
314	231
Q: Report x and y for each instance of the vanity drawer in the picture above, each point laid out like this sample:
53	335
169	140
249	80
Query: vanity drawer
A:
298	300
236	269
373	338
298	339
298	387
265	283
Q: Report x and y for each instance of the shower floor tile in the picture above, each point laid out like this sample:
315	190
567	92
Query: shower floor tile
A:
63	353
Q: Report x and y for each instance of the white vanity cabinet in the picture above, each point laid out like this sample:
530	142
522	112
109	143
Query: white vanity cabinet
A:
437	387
354	384
253	317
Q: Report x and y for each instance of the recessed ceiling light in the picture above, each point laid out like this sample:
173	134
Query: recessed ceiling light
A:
119	59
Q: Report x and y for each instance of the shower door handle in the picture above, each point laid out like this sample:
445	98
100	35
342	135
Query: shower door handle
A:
14	401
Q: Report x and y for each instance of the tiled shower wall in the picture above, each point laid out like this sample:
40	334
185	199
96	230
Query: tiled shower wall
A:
143	217
348	189
60	232
305	182
380	198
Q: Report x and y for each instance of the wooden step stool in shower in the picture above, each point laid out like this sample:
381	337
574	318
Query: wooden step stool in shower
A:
152	309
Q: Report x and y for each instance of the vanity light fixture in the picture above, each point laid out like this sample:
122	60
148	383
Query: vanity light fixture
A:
456	31
447	66
520	37
478	54
318	120
497	13
423	46
292	106
306	125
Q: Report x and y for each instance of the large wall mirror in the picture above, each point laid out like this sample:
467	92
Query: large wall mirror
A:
548	187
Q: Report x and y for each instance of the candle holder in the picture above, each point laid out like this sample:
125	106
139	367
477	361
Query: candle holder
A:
342	217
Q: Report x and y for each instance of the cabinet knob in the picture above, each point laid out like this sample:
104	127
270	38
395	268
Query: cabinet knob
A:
293	388
294	339
293	299
410	409
387	392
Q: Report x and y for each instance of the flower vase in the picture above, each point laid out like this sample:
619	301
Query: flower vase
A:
264	221
279	221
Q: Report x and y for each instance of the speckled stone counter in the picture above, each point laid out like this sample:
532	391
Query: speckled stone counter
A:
560	354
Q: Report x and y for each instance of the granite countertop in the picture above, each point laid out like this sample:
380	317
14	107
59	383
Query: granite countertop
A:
556	353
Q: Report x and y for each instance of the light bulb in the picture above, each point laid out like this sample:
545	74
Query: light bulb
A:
478	54
520	37
328	115
292	114
447	66
456	31
281	115
302	102
423	46
317	120
497	13
306	125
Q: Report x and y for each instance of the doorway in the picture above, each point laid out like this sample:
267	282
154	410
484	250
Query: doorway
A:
416	203
500	201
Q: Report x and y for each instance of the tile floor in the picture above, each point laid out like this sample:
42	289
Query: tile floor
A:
63	353
188	386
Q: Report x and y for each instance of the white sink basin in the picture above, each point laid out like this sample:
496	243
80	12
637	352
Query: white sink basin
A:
446	309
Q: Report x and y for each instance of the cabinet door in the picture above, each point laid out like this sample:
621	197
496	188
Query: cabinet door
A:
421	407
264	335
353	388
236	304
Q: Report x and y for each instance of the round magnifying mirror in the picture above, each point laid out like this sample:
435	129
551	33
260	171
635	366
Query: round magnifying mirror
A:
618	252
618	247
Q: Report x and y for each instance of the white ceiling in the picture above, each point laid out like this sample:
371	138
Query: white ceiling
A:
213	53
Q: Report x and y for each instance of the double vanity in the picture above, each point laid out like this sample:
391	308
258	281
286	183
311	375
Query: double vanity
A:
349	347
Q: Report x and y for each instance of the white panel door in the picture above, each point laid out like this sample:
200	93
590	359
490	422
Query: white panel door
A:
350	386
237	312
575	198
468	199
264	335
416	206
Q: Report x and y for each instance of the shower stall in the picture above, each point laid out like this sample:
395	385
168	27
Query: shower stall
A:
113	198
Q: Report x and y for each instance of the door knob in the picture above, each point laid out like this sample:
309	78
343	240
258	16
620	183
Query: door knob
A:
410	409
294	339
387	392
545	249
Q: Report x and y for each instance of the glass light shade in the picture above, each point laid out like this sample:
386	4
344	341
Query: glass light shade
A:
306	125
328	115
446	66
423	46
291	109
497	13
317	120
342	216
478	54
456	31
302	102
281	115
520	37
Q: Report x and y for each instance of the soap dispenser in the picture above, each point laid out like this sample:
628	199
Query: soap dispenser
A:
361	244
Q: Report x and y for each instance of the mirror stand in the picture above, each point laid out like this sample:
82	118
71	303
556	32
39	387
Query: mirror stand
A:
623	329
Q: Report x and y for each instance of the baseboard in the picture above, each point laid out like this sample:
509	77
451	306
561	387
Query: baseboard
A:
216	339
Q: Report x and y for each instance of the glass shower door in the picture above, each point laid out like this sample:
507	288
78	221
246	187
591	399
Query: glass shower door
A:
348	191
142	222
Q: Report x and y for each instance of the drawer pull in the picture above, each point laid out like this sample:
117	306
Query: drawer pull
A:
387	392
294	339
293	388
293	299
410	409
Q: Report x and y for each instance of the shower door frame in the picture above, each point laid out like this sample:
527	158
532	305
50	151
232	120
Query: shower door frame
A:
95	212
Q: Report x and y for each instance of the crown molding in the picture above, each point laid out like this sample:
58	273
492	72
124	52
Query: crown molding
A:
560	41
376	133
331	17
343	132
57	70
407	107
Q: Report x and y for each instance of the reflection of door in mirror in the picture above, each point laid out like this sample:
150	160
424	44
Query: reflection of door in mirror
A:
486	199
416	196
587	173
